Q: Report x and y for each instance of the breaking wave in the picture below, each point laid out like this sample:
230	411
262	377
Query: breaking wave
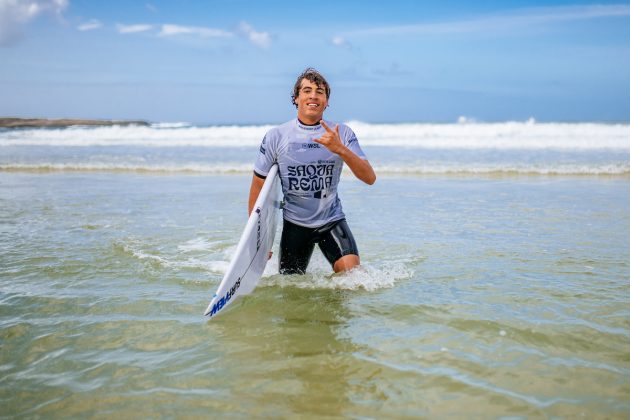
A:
617	169
463	135
466	147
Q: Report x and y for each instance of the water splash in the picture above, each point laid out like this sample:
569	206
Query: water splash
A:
366	277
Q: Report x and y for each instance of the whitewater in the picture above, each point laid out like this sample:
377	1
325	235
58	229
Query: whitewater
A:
465	147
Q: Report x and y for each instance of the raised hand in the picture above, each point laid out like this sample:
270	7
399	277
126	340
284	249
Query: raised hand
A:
330	139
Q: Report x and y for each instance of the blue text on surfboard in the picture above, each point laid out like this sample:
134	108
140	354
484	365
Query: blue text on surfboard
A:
225	299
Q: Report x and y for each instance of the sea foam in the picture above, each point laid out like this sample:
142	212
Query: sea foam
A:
466	147
507	168
506	135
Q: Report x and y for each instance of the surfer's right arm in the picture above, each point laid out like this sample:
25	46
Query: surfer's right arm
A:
265	160
254	191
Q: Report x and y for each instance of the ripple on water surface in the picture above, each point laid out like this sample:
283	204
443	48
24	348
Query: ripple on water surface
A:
482	298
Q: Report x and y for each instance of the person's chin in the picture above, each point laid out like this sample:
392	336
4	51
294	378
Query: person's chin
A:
313	116
316	113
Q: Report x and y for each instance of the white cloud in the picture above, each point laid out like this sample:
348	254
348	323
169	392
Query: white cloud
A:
90	25
523	18
151	7
342	42
132	29
203	32
15	14
260	39
339	41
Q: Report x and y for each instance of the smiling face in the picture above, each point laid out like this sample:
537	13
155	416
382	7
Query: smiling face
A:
311	102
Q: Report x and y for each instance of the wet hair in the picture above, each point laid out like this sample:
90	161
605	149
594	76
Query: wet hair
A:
312	76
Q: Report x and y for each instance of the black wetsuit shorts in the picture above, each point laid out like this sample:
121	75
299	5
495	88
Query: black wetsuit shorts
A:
297	243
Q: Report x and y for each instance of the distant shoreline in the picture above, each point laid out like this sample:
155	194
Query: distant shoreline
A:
62	122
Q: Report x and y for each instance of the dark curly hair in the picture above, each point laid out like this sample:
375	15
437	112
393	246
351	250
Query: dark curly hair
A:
313	76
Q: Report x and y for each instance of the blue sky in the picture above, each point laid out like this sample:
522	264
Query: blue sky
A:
235	61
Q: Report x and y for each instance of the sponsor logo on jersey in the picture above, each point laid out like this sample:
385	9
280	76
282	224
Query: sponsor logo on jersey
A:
303	147
309	127
310	177
262	145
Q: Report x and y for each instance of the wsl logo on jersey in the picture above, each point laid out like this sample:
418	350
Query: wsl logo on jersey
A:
303	147
311	177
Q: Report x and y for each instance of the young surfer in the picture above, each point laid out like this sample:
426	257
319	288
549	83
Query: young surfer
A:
310	154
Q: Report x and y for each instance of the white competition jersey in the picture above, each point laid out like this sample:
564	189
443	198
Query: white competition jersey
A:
309	172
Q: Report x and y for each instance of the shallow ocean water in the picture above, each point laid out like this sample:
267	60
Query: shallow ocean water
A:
480	296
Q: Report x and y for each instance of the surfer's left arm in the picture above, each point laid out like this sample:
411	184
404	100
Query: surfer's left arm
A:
361	168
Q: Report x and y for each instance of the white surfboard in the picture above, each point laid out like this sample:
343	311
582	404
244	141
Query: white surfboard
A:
252	251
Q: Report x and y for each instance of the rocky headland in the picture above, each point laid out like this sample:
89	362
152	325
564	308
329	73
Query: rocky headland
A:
63	122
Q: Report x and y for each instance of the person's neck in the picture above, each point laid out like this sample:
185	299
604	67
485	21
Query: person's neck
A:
307	121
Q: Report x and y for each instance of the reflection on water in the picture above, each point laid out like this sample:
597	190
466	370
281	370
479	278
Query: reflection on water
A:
289	358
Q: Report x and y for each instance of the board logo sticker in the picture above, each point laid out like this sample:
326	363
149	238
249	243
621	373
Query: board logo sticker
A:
225	299
258	229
